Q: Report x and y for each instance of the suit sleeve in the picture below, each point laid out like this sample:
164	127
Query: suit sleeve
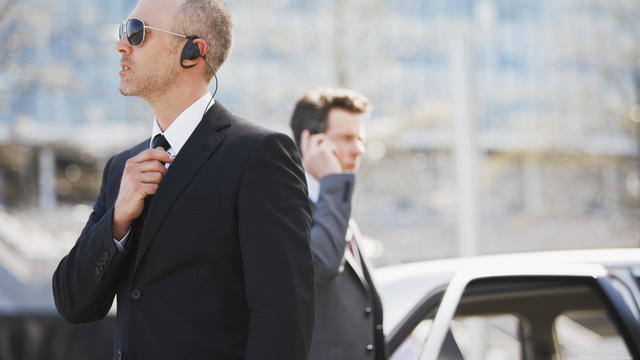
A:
274	220
85	281
329	226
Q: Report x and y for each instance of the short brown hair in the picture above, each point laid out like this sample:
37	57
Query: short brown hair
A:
312	109
210	20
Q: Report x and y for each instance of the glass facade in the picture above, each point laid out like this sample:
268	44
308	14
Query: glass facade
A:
554	66
552	92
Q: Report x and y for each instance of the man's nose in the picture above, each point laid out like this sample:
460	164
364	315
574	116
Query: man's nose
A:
357	148
123	46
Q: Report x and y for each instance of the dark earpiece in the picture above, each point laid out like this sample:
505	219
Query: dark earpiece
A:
190	51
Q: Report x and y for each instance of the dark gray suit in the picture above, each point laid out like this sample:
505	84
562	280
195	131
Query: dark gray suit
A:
348	318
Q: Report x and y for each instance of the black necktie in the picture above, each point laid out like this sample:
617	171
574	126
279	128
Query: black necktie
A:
160	140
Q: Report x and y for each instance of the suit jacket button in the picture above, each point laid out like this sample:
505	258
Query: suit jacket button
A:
136	294
368	310
369	348
120	355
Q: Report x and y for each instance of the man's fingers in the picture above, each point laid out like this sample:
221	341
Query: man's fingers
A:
304	142
139	189
165	154
316	139
327	145
149	189
308	142
151	166
142	156
150	177
160	154
152	154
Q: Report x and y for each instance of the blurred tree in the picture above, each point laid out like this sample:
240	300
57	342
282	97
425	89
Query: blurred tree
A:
626	13
24	33
14	42
12	162
27	31
625	42
5	6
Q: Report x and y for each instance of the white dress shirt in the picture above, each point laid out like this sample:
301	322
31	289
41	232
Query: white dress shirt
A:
181	128
313	185
177	134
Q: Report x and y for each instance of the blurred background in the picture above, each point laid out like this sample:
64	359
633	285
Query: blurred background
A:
498	125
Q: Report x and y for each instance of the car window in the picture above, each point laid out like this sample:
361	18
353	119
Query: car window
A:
487	337
524	318
588	334
412	345
494	336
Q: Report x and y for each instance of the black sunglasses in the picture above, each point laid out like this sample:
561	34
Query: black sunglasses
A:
134	30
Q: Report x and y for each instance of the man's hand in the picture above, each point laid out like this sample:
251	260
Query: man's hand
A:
141	177
318	155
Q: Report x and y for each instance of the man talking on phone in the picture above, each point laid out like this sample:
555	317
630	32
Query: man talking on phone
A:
327	124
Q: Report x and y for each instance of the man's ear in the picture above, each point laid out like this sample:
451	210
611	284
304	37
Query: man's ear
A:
202	46
192	54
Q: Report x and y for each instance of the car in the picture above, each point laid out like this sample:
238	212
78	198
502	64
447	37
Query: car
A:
572	304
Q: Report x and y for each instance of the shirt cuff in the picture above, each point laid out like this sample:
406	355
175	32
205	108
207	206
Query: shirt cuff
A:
120	244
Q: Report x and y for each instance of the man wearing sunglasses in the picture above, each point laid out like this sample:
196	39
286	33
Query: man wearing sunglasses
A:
202	230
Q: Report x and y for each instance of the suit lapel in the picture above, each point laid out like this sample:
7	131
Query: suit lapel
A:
353	233
366	265
202	143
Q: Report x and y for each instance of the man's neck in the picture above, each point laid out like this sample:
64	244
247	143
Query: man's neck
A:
168	107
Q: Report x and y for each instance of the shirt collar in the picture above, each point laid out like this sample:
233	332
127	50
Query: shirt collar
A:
181	128
314	187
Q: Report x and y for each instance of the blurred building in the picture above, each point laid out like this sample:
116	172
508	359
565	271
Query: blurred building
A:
498	125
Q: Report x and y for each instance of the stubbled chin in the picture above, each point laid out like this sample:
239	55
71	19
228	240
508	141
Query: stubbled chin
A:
125	91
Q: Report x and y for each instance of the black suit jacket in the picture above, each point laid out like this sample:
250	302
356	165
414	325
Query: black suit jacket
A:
220	268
